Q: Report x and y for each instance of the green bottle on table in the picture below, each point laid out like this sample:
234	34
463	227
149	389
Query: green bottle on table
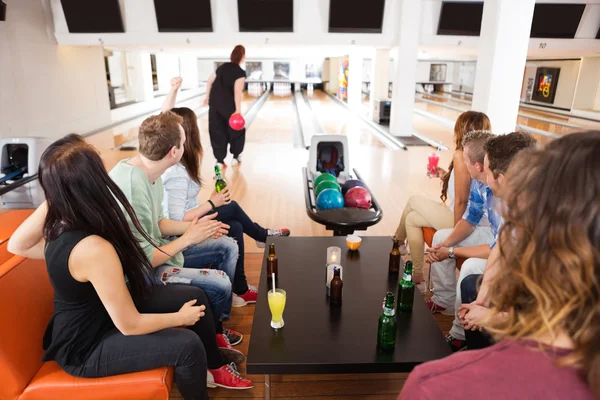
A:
220	184
386	332
406	289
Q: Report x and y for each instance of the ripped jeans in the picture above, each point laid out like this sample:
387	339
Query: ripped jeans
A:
209	265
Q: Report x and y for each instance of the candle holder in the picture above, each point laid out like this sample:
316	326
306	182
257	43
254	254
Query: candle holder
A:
334	255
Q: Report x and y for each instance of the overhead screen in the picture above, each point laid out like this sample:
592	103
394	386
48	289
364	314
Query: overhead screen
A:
93	16
460	18
184	16
266	15
559	21
356	16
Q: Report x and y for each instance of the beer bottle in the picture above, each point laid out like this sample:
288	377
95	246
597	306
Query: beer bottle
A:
336	286
406	289
272	263
395	259
220	183
386	332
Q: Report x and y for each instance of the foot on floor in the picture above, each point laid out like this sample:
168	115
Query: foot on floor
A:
243	300
228	377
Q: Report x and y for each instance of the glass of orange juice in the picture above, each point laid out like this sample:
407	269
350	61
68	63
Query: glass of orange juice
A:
277	305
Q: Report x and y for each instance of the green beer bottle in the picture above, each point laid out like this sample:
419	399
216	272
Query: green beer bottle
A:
220	184
386	332
406	289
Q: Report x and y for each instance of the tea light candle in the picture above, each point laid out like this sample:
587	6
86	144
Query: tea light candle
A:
334	255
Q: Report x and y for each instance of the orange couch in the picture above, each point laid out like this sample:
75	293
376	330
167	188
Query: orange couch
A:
26	305
9	222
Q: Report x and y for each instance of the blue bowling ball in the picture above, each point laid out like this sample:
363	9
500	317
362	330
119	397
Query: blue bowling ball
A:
330	199
352	183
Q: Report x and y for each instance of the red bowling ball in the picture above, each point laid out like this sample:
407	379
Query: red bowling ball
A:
237	122
358	197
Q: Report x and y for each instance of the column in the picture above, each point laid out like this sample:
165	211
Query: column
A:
355	78
403	95
501	59
380	77
139	72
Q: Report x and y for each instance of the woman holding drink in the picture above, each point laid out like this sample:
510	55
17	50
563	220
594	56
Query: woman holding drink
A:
421	211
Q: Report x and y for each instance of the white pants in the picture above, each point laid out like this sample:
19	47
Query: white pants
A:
473	266
443	273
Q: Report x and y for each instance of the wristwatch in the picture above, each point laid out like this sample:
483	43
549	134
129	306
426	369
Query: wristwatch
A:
451	253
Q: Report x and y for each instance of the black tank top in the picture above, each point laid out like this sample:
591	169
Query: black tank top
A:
80	319
221	97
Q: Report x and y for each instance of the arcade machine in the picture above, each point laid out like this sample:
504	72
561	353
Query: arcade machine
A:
19	159
334	196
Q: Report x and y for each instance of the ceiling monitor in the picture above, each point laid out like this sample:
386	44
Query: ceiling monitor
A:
93	16
266	15
183	15
460	18
356	16
556	21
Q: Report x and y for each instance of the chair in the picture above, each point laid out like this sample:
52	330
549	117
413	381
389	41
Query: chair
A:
26	297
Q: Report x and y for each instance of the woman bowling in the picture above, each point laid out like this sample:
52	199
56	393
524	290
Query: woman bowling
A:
110	317
224	96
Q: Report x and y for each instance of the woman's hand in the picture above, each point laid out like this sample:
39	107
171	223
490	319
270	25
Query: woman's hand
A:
176	83
471	315
439	172
191	314
204	228
222	198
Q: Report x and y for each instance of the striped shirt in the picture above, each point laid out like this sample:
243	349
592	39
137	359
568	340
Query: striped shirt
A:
181	192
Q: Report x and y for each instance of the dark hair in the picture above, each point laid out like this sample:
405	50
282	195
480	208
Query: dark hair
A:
466	122
159	134
501	150
476	141
549	280
192	153
237	54
82	197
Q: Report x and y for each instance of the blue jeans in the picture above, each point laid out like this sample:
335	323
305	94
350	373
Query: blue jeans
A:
209	265
239	223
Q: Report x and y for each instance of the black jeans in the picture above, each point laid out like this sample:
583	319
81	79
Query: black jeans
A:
188	350
234	216
469	289
221	135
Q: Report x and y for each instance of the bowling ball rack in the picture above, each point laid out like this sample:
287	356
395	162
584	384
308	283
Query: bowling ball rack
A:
342	221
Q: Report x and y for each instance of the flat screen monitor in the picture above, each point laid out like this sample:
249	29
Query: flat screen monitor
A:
356	16
557	21
93	16
460	18
266	15
183	15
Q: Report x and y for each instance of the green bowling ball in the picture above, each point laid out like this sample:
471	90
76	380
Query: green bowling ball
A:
327	185
322	178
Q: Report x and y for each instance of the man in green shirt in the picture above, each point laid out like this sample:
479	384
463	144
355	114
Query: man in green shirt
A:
197	253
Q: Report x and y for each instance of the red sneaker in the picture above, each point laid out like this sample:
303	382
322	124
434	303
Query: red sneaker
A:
435	308
230	354
229	378
243	300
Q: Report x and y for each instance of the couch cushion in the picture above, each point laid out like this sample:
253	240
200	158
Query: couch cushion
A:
52	383
10	221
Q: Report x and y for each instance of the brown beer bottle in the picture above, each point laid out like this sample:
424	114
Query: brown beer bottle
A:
336	286
272	263
395	259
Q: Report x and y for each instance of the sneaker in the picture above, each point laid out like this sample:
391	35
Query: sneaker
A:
243	300
227	377
456	344
236	160
230	354
221	165
234	337
283	232
435	308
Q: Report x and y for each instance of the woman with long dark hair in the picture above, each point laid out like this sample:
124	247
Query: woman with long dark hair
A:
421	211
111	316
544	298
182	184
224	94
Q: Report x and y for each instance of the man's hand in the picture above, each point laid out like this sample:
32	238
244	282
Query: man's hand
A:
176	83
205	228
437	253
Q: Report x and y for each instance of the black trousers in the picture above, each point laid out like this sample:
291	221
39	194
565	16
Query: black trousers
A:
222	135
468	291
188	350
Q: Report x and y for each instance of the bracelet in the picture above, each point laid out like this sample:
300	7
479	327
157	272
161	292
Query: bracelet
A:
212	205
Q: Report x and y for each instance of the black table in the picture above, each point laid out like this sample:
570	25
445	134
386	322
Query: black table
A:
319	339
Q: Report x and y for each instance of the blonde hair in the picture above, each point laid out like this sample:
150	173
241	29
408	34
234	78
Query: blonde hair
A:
549	281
